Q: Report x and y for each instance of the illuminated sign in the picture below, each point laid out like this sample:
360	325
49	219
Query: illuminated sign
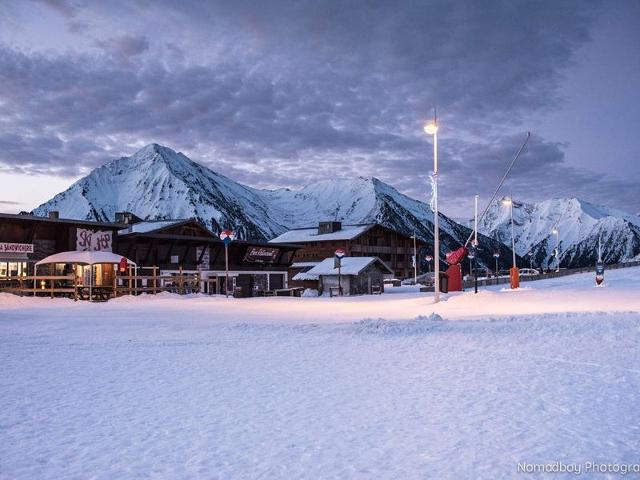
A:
261	254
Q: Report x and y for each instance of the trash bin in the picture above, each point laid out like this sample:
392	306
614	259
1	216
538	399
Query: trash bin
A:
237	292
444	282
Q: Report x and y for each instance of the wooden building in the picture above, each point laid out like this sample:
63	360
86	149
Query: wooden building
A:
167	246
395	249
356	276
187	246
26	239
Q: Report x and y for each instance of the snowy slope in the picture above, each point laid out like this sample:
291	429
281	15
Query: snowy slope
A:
387	386
158	183
579	225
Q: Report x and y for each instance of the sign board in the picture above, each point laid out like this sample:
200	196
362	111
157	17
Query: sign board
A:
261	254
88	240
340	253
227	237
428	258
6	247
204	264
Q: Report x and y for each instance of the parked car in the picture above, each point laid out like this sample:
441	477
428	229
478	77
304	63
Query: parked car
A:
526	272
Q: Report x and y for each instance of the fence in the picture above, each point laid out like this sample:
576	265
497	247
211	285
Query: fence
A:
552	274
72	287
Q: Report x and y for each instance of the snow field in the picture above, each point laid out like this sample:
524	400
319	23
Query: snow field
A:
365	387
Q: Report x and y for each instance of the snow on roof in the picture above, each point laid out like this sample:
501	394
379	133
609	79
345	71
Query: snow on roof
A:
350	266
84	258
149	226
304	264
305	276
347	232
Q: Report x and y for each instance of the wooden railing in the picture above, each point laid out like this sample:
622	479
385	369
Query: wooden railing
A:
53	285
72	287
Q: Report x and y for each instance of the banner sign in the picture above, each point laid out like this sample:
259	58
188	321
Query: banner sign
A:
261	254
88	240
204	265
6	247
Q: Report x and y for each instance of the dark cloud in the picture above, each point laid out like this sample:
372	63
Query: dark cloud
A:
282	93
124	47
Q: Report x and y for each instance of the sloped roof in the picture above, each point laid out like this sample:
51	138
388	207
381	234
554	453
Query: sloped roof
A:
350	266
149	226
304	264
83	258
347	232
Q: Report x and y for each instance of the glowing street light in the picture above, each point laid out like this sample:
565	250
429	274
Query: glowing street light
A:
432	129
509	202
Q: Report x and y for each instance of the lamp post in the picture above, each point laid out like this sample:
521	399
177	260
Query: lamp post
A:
432	129
509	201
496	255
415	261
428	258
557	234
530	260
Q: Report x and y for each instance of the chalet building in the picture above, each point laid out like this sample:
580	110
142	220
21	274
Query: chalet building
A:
167	246
395	249
356	276
188	246
25	239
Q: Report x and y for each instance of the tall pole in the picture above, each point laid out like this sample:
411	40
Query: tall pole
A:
340	276
432	129
226	269
415	261
513	238
475	223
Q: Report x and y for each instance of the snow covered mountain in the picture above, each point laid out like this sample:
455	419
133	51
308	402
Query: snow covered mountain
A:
158	183
579	225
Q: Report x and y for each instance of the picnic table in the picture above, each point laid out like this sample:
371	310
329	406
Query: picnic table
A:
99	294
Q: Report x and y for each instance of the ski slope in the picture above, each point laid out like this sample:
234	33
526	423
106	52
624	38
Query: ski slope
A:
380	387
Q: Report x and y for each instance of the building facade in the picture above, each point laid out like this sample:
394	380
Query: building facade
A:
395	249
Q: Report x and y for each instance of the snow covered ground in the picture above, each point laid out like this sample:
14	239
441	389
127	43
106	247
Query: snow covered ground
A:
386	386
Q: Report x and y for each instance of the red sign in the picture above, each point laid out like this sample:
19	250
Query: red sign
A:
226	234
455	257
123	265
340	253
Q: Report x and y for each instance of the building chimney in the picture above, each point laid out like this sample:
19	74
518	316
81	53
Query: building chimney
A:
54	214
329	227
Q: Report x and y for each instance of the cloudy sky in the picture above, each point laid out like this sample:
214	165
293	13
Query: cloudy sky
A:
282	93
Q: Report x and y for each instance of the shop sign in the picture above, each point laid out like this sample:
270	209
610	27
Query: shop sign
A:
261	254
204	265
88	240
6	247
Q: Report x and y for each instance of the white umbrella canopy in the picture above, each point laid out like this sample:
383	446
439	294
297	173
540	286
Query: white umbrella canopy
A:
83	258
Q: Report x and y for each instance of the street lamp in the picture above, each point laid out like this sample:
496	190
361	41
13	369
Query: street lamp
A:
432	129
496	255
509	202
557	234
428	258
415	260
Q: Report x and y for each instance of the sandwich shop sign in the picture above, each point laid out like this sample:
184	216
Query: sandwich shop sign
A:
88	240
7	247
